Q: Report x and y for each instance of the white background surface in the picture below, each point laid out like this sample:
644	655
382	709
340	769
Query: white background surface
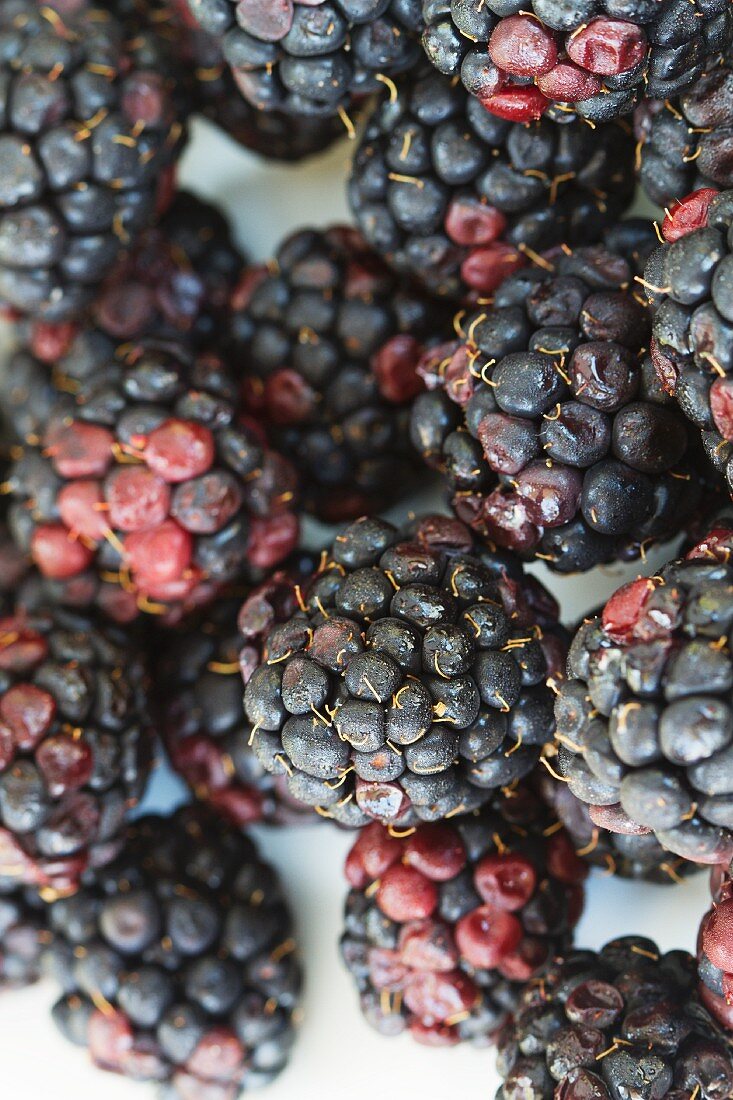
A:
337	1054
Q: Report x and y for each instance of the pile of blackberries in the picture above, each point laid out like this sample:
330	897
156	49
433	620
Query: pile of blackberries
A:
182	428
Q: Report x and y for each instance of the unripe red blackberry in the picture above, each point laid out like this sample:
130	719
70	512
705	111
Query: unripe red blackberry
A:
140	469
445	923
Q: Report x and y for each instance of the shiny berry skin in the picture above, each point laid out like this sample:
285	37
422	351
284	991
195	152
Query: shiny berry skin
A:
556	1043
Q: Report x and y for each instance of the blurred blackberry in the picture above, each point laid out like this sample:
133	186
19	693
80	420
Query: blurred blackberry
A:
547	420
330	341
90	129
636	854
689	281
312	58
23	936
620	1023
459	199
593	58
271	134
199	701
176	282
444	926
141	485
177	962
687	143
75	743
645	722
412	682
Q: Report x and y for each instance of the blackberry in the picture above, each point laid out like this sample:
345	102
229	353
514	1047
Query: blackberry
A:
443	927
75	743
546	418
90	127
623	1022
177	962
176	281
214	92
199	701
330	340
312	58
689	281
644	723
23	937
459	199
141	481
715	950
687	143
593	58
635	855
413	681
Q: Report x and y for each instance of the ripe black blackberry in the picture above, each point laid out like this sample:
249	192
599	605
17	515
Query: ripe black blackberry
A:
23	936
636	854
90	129
141	482
413	681
715	949
623	1022
547	420
312	57
594	58
645	722
199	701
330	341
177	962
689	281
444	926
458	199
687	143
75	743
